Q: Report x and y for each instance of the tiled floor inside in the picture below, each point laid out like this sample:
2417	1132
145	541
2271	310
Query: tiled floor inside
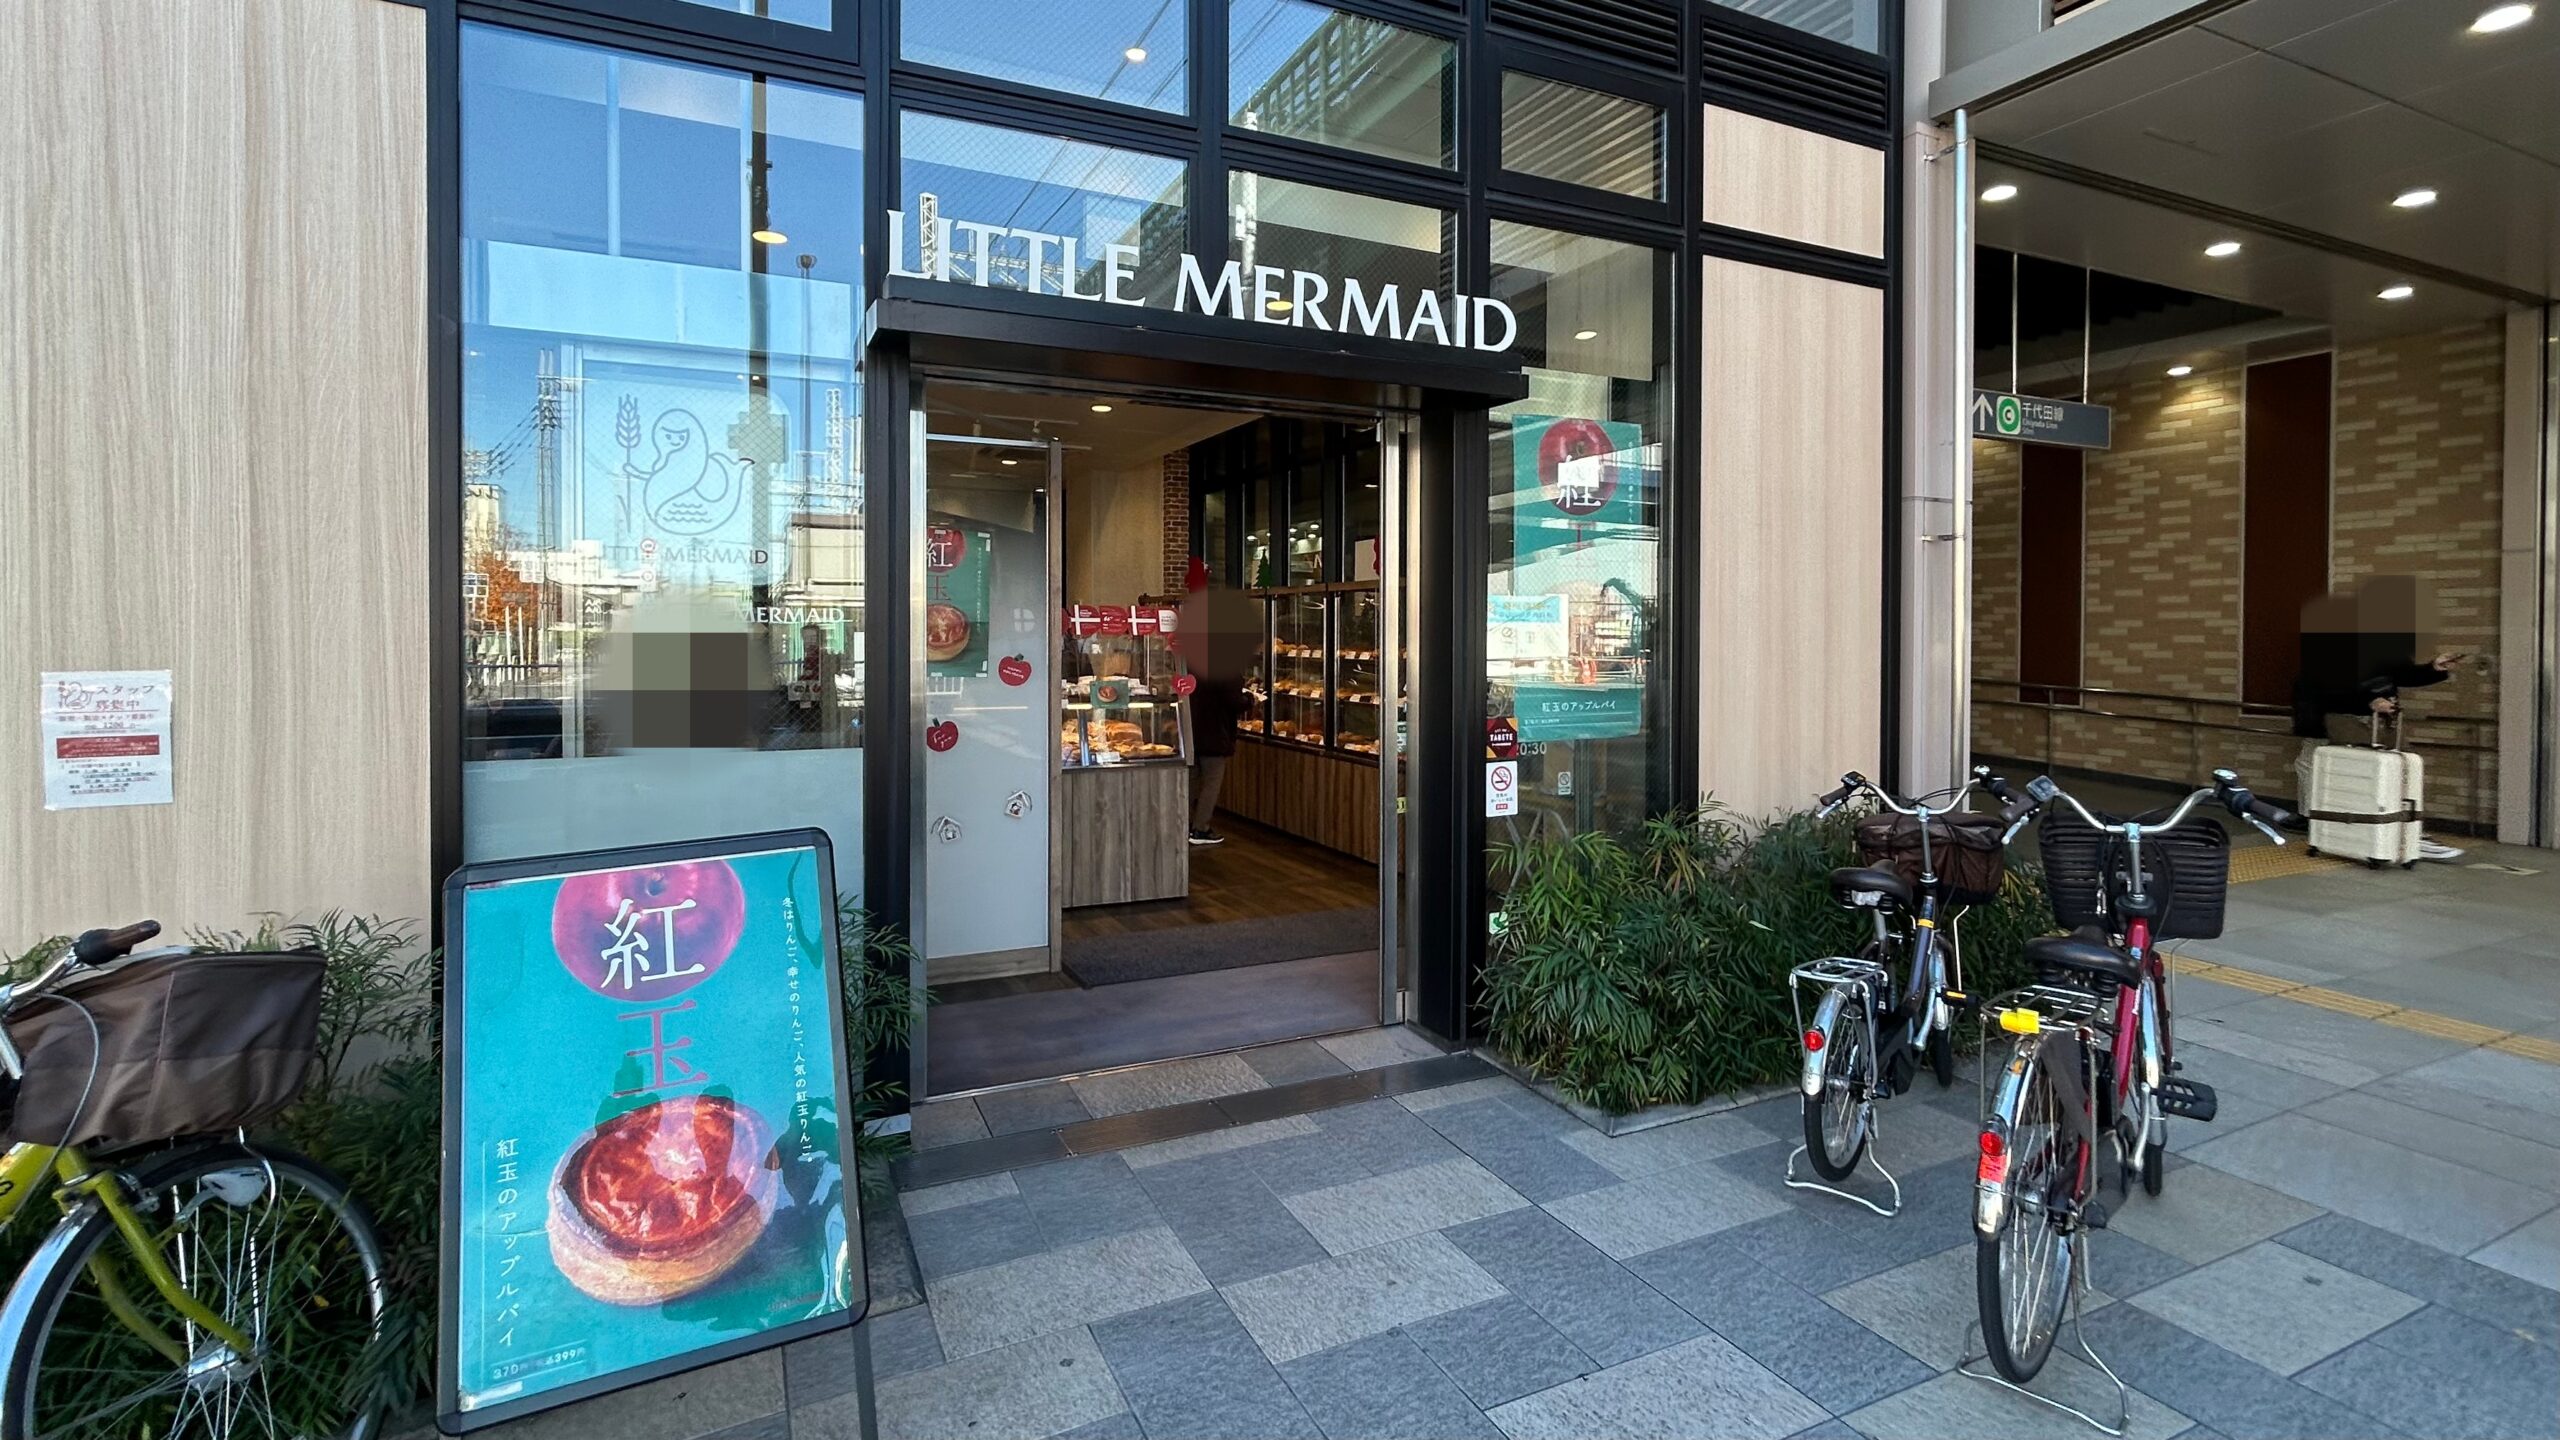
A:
2367	1243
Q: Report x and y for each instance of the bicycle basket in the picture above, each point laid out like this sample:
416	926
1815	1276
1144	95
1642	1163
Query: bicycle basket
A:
185	1045
1965	848
2190	867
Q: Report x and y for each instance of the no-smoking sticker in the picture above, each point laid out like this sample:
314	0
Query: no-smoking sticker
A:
1501	788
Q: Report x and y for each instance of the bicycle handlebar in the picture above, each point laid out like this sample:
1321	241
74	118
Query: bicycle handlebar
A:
1853	784
97	947
2226	787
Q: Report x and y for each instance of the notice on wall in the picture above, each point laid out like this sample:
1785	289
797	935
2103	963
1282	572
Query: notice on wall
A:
1501	788
1526	627
106	738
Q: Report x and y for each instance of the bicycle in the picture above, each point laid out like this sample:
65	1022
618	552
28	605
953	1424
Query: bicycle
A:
2092	1060
1864	1043
263	1282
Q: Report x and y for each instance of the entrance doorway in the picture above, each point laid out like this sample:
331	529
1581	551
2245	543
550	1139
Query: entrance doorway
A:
1162	644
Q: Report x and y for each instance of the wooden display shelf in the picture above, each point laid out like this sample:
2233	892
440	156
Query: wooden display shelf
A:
1325	796
1123	834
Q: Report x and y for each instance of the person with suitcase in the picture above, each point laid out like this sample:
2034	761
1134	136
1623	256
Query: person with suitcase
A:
2350	719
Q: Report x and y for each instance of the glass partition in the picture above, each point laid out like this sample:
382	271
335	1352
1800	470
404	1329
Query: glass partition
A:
1312	73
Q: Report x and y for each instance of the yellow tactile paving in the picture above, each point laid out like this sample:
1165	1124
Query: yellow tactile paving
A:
2531	1047
2425	1022
2445	1027
2269	862
2342	1002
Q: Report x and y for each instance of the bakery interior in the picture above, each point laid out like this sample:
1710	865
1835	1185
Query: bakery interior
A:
1157	946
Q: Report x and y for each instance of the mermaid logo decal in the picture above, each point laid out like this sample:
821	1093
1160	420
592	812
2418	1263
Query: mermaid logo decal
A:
685	488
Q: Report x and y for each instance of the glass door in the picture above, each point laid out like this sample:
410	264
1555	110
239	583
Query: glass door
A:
986	622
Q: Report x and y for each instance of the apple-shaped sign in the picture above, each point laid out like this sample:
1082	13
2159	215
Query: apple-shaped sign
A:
940	736
1014	670
1185	684
1586	487
649	931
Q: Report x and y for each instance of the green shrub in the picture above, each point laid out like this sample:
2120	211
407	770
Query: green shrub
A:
1652	969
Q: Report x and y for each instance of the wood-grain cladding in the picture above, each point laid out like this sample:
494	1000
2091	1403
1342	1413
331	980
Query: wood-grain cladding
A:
1123	834
1776	179
1791	584
1329	799
213	447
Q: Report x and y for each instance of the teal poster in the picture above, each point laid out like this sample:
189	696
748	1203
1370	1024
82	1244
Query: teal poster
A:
956	558
1574	481
648	1153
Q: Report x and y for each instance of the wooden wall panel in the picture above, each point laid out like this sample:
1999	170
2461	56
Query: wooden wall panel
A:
1774	179
2052	540
213	447
1791	623
2284	537
1329	799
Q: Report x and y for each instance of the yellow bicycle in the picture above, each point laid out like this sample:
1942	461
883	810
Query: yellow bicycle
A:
195	1286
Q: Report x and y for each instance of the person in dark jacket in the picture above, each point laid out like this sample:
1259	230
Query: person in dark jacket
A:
2357	656
1219	630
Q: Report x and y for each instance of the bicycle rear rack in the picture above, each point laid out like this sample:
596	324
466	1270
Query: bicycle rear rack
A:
1874	984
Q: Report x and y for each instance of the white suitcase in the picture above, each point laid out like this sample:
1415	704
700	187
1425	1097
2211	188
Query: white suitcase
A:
2367	803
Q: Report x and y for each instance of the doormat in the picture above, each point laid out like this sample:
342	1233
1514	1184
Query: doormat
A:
1226	945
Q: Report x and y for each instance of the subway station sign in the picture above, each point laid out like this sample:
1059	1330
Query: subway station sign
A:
1007	257
2033	419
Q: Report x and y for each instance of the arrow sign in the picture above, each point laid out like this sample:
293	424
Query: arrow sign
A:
2035	419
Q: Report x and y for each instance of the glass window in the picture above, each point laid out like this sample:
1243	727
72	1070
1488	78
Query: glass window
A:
1260	494
1360	511
1582	137
1131	51
1293	226
1851	22
1311	73
1575	592
816	14
662	521
994	187
1306	523
1214	535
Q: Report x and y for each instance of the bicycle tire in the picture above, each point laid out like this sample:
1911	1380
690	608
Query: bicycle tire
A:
48	1307
1847	1069
1942	1058
2018	1363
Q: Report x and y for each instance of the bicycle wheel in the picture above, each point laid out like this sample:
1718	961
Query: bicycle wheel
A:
262	1237
2023	1274
1835	1122
1942	1058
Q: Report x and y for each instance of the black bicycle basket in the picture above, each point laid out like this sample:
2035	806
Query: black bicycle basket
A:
2187	870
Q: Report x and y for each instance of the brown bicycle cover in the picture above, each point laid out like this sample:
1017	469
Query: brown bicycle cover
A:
185	1045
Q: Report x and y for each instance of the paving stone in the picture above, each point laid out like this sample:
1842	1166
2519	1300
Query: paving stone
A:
1295	1061
2449	1206
2531	1250
937	1123
1189	1369
1034	1107
1838	1429
958	1193
1123	1426
2122	1265
1039	1386
1667	1147
1213	1142
1665	1209
985	1309
1937	1209
1174	1082
2482	1088
2276	1306
1810	1252
1921	1307
1607	1312
1375	1137
1701	1386
2248	1090
2496	1075
2494	1152
2206	1032
1492	1087
1228	1220
1533	1156
1376	1049
1400	1203
2438	1373
1085	1199
1335	1301
1831	1359
2206	1213
1384	1388
1500	1350
777	1426
2464	1286
1952	1405
969	1237
821	1368
2210	1384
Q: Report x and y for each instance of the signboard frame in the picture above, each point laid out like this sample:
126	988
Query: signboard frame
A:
2041	420
451	1418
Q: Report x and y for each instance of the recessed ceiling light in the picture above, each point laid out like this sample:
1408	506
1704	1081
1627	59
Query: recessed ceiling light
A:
1279	307
2501	17
1586	334
2417	199
1008	460
1998	193
1101	409
2181	372
1135	54
2223	249
769	237
2395	292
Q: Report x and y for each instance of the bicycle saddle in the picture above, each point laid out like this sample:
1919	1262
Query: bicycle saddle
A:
2083	956
1849	881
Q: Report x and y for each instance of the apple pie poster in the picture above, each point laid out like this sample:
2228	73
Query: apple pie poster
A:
649	1150
956	556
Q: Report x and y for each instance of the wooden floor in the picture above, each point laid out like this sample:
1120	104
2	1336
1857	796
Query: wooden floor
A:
1258	873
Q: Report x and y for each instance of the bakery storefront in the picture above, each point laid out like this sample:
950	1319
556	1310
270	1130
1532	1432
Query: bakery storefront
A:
1166	485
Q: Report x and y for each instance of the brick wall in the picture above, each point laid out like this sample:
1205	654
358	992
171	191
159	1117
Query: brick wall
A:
2416	484
1177	520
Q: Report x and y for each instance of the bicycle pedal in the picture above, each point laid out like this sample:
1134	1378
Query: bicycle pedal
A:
1960	1002
2189	1099
2094	1215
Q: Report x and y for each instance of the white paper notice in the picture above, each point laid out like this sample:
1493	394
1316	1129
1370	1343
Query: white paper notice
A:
106	738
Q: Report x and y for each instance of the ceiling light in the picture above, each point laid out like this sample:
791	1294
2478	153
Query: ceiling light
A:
2417	199
1279	307
1008	460
1586	334
2223	249
1135	54
1998	193
769	237
2395	292
1100	409
2181	372
2501	17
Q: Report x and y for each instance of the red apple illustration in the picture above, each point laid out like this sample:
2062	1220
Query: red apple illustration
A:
940	736
1014	670
1571	440
945	547
649	931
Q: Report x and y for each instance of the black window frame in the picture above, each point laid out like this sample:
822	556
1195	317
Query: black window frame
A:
840	42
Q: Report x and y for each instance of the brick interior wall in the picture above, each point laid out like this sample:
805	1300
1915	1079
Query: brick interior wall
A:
2415	491
1177	520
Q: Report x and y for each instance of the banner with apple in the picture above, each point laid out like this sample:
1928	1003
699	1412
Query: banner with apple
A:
956	556
1574	480
645	1084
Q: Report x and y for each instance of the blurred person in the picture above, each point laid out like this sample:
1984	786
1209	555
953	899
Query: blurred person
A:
1220	632
2358	655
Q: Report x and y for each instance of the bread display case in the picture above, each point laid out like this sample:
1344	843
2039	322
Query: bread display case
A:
1355	685
1298	633
1124	747
1317	682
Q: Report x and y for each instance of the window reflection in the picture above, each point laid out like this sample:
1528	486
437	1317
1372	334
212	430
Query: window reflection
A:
662	489
1295	226
1851	22
1132	51
816	14
1010	183
1317	74
1583	137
